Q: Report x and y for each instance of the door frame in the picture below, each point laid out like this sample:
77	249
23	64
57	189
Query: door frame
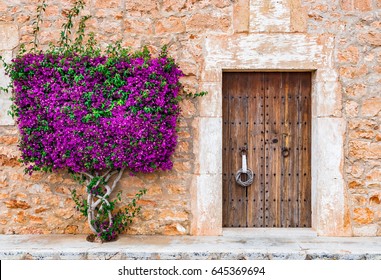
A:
244	213
272	52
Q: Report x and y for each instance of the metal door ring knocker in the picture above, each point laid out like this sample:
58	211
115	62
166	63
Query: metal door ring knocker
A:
250	177
285	152
244	170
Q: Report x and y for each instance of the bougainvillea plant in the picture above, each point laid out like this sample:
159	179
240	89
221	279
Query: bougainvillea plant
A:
95	114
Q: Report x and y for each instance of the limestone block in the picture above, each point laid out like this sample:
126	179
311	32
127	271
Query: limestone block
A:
353	72
241	16
16	204
362	129
371	38
7	56
363	5
363	215
350	54
327	75
173	215
356	90
351	5
134	6
189	67
101	4
367	230
212	74
327	175
371	107
172	5
201	22
52	11
364	150
211	104
3	6
169	25
13	2
210	146
140	26
207	214
351	108
9	36
5	102
328	99
266	51
374	175
174	229
298	16
270	16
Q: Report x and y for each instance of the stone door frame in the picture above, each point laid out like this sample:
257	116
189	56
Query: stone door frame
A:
272	52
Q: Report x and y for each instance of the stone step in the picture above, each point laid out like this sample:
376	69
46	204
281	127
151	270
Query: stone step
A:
233	245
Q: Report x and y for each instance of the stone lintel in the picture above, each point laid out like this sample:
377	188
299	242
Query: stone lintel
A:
287	51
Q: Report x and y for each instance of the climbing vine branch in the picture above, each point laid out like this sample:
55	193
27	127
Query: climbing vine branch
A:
99	209
36	25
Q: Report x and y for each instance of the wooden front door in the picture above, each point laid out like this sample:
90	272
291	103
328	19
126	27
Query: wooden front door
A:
269	114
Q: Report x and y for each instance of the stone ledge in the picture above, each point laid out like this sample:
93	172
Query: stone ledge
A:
254	246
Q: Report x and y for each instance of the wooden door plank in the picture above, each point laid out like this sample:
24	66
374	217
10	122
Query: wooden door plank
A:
284	143
297	153
238	113
226	178
292	145
236	83
283	161
305	152
272	155
287	140
255	193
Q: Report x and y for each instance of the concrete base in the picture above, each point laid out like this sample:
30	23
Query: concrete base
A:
235	244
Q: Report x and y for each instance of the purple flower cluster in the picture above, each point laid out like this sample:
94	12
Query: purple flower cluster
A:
92	113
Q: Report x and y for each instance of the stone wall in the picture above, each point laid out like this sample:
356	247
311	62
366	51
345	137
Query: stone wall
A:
348	36
356	27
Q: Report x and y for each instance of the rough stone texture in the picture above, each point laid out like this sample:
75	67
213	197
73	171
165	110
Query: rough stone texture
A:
338	40
358	59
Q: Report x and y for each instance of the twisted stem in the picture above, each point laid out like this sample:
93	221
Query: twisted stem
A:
98	204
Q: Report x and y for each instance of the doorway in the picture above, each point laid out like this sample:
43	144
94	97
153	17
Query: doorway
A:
267	115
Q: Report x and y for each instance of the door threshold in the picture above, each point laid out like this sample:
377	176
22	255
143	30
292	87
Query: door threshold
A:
269	232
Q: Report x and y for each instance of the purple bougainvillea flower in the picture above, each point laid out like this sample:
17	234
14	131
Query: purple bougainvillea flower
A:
93	113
